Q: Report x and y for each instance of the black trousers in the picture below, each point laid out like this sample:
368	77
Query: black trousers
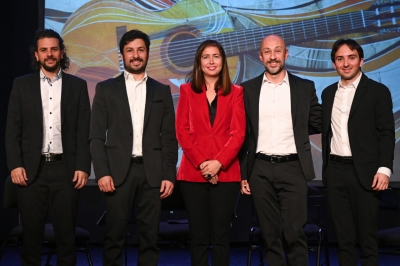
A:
354	212
279	192
134	193
210	211
50	191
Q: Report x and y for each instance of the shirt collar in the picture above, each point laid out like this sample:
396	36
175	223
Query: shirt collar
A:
44	78
128	75
285	79
353	84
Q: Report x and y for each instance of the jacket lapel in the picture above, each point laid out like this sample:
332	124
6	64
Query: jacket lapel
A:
328	105
37	97
294	91
202	102
254	102
222	106
149	100
121	91
362	87
65	90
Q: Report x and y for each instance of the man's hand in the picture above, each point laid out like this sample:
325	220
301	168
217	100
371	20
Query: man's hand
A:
245	187
381	182
18	176
80	178
166	188
106	184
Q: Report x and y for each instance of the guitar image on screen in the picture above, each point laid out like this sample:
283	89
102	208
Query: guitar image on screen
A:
176	32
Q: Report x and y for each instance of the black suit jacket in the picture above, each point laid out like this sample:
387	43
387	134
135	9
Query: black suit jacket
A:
370	129
306	118
24	129
111	132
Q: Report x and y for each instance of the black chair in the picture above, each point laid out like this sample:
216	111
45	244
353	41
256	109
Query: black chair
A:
174	230
82	236
389	238
256	241
314	229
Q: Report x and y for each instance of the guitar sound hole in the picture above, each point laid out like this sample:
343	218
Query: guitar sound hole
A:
182	50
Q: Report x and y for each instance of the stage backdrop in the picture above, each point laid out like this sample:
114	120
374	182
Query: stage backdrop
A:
92	29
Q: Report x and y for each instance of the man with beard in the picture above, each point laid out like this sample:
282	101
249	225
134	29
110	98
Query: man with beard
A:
47	135
282	110
134	149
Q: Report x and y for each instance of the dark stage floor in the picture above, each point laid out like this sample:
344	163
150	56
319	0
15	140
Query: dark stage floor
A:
180	257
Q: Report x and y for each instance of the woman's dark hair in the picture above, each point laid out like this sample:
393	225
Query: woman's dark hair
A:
352	44
196	76
133	35
49	33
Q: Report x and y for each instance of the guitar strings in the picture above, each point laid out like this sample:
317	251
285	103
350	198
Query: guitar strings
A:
312	27
180	52
240	36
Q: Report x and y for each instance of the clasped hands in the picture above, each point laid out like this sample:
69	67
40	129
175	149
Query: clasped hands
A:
210	169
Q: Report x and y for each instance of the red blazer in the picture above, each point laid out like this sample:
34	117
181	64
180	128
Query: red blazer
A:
200	141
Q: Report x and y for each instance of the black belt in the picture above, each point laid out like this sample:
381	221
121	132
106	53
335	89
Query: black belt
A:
277	158
341	159
51	157
137	160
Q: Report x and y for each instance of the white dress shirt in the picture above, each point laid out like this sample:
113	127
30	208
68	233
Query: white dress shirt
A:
50	90
136	91
340	144
275	132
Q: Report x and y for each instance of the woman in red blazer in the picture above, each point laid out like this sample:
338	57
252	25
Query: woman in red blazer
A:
210	128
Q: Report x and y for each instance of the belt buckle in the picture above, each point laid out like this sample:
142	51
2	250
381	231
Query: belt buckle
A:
137	160
48	157
275	159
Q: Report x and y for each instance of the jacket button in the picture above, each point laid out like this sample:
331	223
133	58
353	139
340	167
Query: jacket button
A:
130	133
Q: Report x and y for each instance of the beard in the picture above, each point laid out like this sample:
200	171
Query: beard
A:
50	68
275	70
135	70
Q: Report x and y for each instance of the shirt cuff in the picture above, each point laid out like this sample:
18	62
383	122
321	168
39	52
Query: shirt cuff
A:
385	170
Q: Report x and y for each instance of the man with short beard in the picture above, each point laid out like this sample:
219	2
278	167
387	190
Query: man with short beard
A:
47	135
134	149
281	109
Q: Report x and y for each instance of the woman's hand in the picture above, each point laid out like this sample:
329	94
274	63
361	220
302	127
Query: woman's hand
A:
213	180
210	170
